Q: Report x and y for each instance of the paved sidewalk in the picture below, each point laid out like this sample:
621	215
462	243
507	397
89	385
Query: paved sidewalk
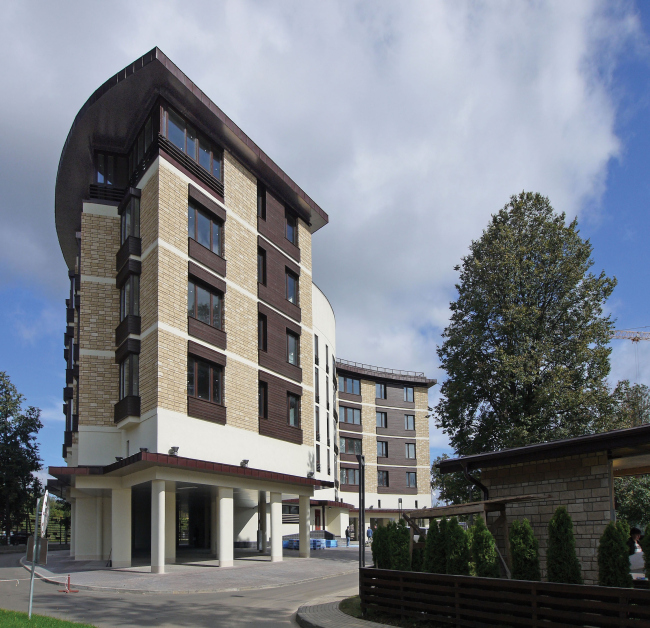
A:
327	615
250	571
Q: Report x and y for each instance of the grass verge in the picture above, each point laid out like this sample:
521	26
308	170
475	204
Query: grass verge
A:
352	606
13	619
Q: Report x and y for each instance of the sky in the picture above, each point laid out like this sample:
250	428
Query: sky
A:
409	123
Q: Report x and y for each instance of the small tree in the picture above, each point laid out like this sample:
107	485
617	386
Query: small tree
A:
399	540
524	549
613	556
562	561
430	546
645	546
380	548
484	551
458	554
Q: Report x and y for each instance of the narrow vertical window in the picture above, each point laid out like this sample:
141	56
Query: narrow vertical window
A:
292	288
262	396
316	348
291	229
408	393
293	407
292	348
261	201
317	423
261	332
317	384
409	422
261	266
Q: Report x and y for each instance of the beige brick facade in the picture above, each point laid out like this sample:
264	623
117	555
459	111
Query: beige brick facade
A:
172	208
98	393
149	210
241	395
172	371
240	189
422	453
99	314
148	372
581	483
369	425
100	241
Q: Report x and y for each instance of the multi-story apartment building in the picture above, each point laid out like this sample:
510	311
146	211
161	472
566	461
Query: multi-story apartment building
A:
200	397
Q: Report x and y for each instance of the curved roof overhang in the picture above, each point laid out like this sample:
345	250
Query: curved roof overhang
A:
114	113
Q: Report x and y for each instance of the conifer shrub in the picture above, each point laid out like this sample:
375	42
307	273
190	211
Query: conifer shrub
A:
381	548
430	546
399	542
484	550
645	546
524	549
417	557
439	558
458	554
614	556
561	559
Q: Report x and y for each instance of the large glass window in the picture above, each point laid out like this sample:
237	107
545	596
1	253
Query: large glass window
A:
350	476
382	419
205	305
131	220
204	380
349	385
410	450
130	297
409	422
350	445
130	376
380	391
292	288
293	346
382	478
206	230
382	449
350	415
195	145
293	406
408	393
411	479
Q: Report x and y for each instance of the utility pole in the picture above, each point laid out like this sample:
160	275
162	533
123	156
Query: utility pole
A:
362	511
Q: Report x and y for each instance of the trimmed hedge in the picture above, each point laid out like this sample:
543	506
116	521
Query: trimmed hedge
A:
524	549
458	554
484	551
561	559
614	556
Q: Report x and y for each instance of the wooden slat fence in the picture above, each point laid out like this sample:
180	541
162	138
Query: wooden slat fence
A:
477	602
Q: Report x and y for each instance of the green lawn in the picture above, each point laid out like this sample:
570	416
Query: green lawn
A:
12	619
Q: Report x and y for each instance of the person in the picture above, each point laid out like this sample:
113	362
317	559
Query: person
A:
347	536
633	542
369	533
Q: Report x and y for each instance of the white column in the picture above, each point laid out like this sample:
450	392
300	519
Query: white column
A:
121	527
261	512
226	534
214	518
304	525
170	526
73	525
99	528
276	527
158	526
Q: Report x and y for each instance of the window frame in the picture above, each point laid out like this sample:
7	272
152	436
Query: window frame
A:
385	419
291	222
292	336
263	400
344	441
261	200
193	206
409	392
261	265
347	472
132	284
296	422
262	332
129	376
220	379
406	422
409	475
383	474
409	447
130	220
354	384
214	293
344	415
383	446
291	275
380	388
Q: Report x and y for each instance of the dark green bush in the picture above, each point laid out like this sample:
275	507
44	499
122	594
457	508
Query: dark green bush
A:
524	549
484	550
458	554
417	557
399	541
381	548
561	559
645	546
614	556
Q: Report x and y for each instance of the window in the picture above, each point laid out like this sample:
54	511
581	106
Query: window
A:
411	480
349	385
204	305
410	450
382	419
329	469
293	407
131	220
327	359
350	476
382	478
293	347
110	170
408	393
261	201
350	445
351	415
261	266
327	388
379	503
382	449
380	391
292	229
130	376
317	423
193	144
204	380
317	457
317	385
130	297
416	503
409	422
141	145
261	332
262	400
206	230
316	348
327	422
292	288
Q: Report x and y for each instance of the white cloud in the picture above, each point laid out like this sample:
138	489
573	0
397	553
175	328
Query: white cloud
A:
32	327
409	123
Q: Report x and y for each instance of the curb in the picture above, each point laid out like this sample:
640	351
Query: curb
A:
328	615
51	579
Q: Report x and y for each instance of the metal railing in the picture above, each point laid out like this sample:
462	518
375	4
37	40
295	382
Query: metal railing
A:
379	369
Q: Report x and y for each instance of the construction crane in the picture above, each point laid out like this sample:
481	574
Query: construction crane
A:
635	336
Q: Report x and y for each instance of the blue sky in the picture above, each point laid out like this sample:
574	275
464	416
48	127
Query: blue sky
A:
409	124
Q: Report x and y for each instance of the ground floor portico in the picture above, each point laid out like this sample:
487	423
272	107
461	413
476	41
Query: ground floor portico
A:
160	506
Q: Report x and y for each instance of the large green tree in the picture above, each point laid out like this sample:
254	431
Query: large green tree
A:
632	404
527	349
19	457
633	499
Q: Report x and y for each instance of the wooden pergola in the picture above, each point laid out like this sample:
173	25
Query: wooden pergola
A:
472	508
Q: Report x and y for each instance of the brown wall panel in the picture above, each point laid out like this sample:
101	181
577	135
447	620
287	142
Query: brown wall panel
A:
206	410
206	257
274	226
195	271
275	356
396	480
397	452
207	203
130	325
395	423
276	425
207	333
195	349
275	291
395	398
343	396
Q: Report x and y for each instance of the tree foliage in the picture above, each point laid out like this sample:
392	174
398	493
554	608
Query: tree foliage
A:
457	545
561	559
19	457
452	488
484	551
380	548
524	549
613	556
435	549
645	546
632	404
399	541
527	349
633	500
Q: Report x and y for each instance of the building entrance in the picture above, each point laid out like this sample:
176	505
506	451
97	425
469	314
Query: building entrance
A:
193	519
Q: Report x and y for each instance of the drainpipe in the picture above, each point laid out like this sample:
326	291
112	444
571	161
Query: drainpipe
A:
475	482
